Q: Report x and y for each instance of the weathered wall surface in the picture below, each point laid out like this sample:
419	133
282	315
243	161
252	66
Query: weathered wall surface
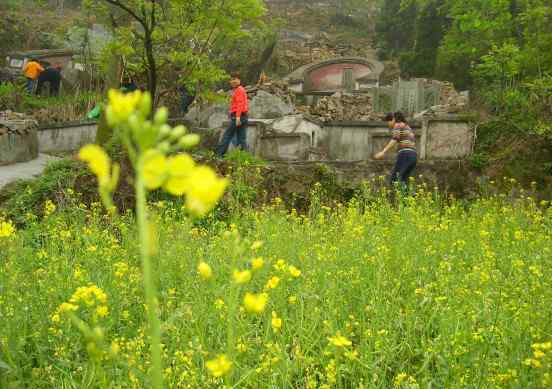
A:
69	137
298	178
16	147
436	139
448	139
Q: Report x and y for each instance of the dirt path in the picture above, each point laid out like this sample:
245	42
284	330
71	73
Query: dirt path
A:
24	170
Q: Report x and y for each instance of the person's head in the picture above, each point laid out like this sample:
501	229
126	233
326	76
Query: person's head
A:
235	79
393	118
58	67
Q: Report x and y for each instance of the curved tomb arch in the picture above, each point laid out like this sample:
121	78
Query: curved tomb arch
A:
341	74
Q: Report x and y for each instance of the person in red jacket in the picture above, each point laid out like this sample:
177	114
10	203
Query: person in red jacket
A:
238	117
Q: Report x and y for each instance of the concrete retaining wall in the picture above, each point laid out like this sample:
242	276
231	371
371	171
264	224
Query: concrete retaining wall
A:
16	147
66	136
436	138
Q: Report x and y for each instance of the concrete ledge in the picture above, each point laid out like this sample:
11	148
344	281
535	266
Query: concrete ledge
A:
66	136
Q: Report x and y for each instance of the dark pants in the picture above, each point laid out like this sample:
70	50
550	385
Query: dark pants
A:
186	99
54	87
233	130
406	162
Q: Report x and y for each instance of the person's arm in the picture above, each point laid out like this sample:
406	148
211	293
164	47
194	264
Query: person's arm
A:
389	146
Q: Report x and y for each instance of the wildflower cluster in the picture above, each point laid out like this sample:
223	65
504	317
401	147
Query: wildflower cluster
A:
7	229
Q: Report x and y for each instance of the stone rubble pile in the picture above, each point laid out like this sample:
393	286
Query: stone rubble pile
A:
344	107
274	87
16	123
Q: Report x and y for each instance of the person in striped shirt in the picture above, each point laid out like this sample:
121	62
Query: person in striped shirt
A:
404	137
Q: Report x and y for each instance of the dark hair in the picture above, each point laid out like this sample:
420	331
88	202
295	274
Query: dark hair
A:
235	75
397	116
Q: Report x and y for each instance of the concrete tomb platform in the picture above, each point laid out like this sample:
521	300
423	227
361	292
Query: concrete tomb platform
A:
18	142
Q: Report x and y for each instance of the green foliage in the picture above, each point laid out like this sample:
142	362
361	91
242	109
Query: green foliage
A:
178	42
428	295
395	27
243	158
63	108
24	199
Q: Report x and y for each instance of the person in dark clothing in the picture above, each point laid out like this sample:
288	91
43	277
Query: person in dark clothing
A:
128	85
52	76
404	137
187	97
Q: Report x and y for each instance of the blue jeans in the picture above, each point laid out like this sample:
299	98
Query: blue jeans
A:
231	132
30	86
406	162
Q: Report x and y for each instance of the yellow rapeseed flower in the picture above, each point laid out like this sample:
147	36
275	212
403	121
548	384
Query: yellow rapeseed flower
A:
180	168
273	282
6	229
219	366
204	191
276	322
98	161
339	340
102	311
255	303
204	270
294	271
257	263
121	106
155	169
241	277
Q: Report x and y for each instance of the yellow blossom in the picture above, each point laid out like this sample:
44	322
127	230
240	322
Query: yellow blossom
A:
339	340
98	161
204	270
257	263
155	169
276	322
6	229
121	106
292	300
255	303
241	277
219	366
294	271
219	304
273	282
102	311
180	168
204	191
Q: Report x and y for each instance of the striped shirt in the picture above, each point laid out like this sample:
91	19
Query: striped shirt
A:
404	135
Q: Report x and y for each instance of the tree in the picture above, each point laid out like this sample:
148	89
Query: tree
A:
178	41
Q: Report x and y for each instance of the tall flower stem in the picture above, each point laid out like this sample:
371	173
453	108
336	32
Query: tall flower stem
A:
149	284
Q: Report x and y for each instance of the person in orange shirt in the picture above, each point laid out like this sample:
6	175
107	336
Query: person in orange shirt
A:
238	117
31	71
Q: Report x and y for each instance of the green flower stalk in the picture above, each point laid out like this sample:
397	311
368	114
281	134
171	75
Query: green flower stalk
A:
157	153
